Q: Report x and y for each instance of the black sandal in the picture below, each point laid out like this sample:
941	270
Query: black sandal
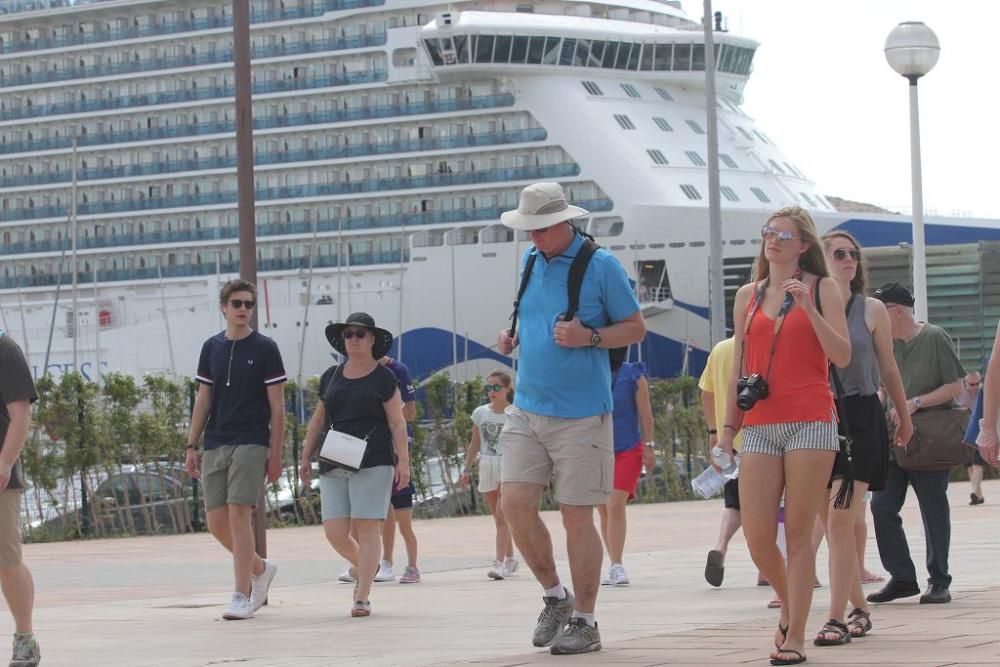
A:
833	627
859	622
798	660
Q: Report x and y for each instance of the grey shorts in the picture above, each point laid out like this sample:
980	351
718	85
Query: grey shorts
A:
233	475
364	494
577	454
778	439
10	527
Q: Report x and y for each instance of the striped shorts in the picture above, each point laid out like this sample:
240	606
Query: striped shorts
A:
777	439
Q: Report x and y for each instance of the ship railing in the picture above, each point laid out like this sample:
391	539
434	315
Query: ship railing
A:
651	295
163	28
352	223
283	157
208	93
204	269
437	180
224	56
263	122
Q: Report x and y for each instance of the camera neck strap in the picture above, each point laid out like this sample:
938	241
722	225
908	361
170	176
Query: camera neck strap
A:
779	322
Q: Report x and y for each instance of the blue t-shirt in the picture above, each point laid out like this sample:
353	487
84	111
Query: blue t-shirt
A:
566	382
972	431
406	394
625	418
239	373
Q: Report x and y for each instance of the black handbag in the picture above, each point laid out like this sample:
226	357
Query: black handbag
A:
936	444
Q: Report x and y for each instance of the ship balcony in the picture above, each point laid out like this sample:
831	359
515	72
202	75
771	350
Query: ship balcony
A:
374	185
282	157
353	223
283	264
198	94
11	7
223	57
262	123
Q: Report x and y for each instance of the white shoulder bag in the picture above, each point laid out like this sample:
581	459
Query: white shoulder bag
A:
343	449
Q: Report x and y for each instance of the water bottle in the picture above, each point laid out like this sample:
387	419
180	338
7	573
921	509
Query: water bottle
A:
723	460
709	483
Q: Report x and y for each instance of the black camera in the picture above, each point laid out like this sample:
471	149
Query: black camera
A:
749	390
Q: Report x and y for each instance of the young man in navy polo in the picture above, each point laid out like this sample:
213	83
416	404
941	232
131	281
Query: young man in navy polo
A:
240	406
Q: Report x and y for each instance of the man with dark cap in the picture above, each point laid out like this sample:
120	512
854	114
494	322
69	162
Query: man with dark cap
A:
932	376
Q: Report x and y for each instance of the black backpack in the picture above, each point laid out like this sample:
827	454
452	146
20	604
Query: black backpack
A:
616	355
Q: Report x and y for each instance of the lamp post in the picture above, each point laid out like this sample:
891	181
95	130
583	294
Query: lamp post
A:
912	50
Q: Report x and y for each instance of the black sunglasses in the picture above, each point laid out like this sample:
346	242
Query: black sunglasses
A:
351	333
840	254
493	387
239	303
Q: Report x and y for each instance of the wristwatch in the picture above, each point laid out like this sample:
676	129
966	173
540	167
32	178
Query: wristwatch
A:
595	337
917	403
650	444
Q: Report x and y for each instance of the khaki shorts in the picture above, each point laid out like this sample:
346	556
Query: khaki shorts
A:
10	527
233	475
490	472
577	454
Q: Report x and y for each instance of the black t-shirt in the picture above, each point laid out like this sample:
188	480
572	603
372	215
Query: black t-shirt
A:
239	373
15	385
355	407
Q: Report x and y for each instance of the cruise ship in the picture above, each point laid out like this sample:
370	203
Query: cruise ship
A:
389	136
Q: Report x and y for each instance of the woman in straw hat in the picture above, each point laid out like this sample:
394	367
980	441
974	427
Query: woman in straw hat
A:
360	398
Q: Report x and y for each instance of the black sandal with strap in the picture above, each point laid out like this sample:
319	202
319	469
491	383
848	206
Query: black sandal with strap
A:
783	631
833	627
859	622
797	660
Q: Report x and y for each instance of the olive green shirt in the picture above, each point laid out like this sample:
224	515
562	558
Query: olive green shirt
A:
927	361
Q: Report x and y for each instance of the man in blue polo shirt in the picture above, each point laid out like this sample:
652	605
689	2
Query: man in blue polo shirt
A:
560	424
240	406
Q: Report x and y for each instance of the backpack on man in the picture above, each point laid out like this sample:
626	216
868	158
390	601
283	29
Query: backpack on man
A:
577	269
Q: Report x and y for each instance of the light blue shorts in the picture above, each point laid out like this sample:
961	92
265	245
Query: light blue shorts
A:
356	495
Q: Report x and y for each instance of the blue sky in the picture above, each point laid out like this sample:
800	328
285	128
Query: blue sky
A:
821	88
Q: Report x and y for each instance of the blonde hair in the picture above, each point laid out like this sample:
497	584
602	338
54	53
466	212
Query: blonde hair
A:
812	260
860	280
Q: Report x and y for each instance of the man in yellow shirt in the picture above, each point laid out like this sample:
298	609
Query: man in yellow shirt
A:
714	385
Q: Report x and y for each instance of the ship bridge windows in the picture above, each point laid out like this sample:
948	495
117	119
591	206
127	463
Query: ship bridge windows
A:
728	161
807	199
776	167
695	127
630	90
592	88
695	158
761	195
662	92
657	156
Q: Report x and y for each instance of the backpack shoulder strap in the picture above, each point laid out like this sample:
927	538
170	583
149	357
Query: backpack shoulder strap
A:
576	271
520	290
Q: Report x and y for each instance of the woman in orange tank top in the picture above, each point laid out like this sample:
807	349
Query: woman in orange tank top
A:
785	409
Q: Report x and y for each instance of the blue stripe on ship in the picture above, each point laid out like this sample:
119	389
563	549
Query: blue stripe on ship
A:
876	233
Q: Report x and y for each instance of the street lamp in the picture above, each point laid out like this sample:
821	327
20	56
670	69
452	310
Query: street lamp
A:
912	50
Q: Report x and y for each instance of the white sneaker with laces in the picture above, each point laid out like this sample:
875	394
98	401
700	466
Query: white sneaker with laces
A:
385	572
509	566
348	576
496	571
616	576
239	608
261	584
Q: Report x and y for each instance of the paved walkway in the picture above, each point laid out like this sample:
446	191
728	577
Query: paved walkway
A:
158	601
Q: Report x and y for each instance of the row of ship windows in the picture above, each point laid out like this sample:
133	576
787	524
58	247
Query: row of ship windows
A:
572	52
692	193
658	158
290	113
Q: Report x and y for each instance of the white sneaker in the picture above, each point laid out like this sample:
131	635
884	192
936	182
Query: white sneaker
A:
509	566
385	572
497	571
616	576
348	576
239	608
261	584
